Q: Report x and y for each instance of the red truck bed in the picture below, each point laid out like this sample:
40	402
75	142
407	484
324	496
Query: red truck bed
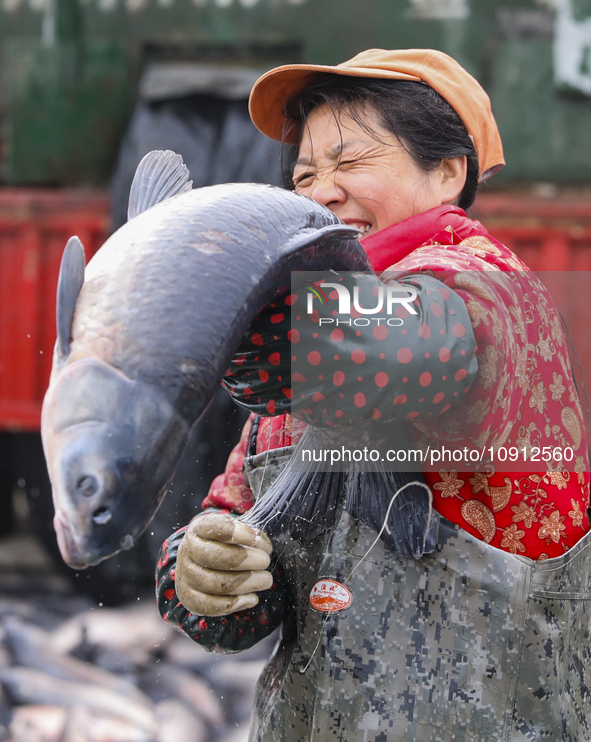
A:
550	235
34	228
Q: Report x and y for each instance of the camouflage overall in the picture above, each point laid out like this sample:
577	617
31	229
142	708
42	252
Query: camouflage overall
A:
468	643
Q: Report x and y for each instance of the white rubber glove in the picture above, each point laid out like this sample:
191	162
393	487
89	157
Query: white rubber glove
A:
221	562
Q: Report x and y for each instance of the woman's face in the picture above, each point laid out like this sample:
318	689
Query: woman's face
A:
368	183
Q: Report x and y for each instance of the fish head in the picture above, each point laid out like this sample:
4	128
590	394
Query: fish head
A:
111	444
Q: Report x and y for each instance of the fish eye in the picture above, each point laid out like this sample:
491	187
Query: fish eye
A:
87	485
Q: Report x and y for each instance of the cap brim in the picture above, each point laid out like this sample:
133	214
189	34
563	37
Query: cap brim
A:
271	92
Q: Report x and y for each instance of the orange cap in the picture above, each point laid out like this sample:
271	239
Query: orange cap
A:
462	91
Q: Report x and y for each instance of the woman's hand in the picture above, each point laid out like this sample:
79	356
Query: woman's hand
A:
221	563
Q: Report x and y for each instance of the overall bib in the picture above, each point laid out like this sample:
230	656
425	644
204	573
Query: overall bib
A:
470	643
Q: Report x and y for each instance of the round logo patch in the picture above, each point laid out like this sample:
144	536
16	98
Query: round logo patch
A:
329	596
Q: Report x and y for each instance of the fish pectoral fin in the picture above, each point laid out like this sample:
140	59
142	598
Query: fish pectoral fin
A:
69	283
307	237
160	175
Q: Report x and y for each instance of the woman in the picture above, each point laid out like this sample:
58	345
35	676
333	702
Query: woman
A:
459	643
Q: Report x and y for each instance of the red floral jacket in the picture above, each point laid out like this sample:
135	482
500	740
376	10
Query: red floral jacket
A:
523	402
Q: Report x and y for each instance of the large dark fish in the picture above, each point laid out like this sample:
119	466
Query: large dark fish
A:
146	334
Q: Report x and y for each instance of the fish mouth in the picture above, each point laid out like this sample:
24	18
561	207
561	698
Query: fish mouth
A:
69	549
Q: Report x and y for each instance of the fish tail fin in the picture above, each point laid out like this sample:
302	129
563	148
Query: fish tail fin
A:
302	504
398	505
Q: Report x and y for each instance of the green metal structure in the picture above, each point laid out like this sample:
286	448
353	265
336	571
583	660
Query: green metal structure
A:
69	68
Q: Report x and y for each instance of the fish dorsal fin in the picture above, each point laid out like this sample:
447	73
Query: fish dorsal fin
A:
307	237
160	175
69	283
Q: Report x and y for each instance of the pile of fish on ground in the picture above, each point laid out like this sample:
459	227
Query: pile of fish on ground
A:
74	672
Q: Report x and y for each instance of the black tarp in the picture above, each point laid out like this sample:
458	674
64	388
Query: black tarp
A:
207	123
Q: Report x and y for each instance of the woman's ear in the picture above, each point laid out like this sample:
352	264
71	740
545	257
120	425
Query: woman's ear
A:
452	177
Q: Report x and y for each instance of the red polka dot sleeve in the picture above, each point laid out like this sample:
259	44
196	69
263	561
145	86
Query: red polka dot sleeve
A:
411	359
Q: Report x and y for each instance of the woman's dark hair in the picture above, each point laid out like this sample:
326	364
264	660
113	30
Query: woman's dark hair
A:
424	122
